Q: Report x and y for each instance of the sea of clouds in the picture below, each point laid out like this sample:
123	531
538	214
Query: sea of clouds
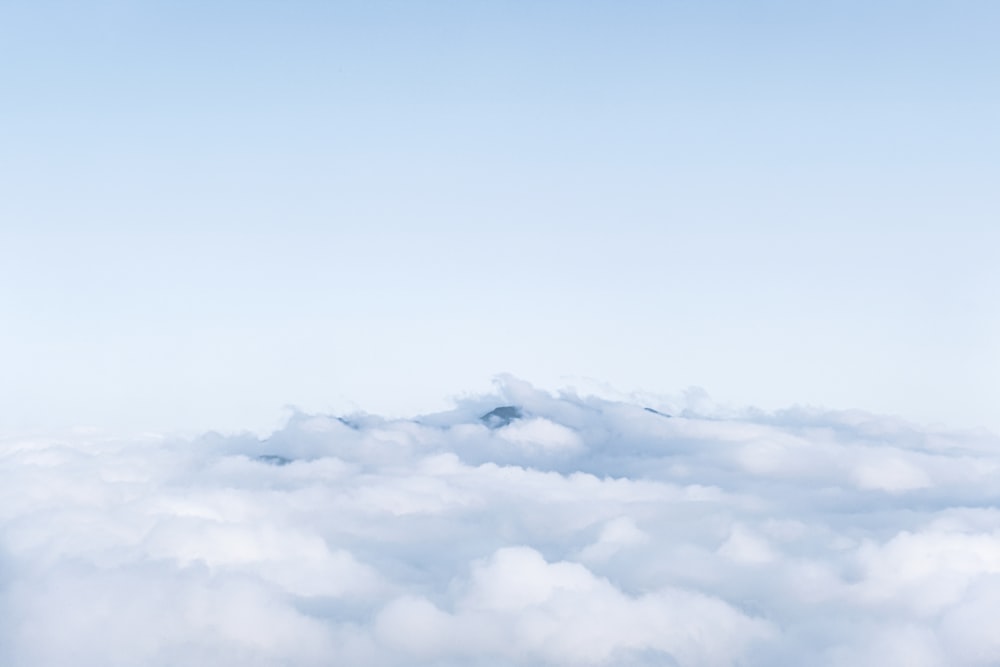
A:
561	530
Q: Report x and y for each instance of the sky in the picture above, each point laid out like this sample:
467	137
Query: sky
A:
582	532
212	211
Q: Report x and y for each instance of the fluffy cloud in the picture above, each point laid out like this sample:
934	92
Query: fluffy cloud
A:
561	530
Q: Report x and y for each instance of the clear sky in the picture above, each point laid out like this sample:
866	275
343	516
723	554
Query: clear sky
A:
211	210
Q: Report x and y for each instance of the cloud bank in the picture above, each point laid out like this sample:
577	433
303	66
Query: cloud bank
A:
557	530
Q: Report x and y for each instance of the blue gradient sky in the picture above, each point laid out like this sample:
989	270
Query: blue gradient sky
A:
212	210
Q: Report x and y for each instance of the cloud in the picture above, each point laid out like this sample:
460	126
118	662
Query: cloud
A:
567	530
519	606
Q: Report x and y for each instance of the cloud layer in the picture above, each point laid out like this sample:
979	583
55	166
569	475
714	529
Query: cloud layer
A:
566	531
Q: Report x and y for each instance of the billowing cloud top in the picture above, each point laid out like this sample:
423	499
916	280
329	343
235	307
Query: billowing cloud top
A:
519	529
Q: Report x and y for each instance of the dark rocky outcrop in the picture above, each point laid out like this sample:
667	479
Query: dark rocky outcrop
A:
501	416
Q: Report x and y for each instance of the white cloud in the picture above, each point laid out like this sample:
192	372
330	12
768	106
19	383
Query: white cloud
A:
519	606
587	531
616	535
541	434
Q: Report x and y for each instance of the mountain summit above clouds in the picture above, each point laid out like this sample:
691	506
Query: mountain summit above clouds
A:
501	416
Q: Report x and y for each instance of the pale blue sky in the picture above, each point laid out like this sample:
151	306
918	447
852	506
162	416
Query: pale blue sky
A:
210	210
